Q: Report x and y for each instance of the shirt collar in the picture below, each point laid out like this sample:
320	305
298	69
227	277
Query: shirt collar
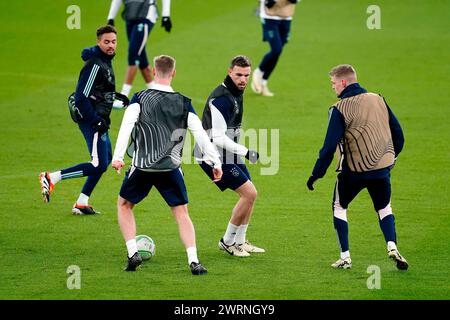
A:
229	84
161	87
352	90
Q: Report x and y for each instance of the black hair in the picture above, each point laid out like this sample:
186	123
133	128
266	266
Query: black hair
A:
240	61
105	29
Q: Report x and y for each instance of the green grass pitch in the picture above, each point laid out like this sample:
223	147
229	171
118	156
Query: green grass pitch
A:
407	60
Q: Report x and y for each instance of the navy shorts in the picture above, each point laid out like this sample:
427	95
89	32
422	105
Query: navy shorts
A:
349	185
276	32
138	33
234	175
170	184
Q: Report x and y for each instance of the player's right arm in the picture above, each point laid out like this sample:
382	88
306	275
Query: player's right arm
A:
335	132
130	117
89	75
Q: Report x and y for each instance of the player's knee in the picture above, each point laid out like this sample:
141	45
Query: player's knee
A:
103	166
276	50
254	194
339	212
95	162
180	213
382	213
100	166
251	194
123	204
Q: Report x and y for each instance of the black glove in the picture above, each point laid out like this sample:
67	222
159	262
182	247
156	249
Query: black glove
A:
166	23
269	3
101	126
252	156
110	22
123	98
310	182
293	1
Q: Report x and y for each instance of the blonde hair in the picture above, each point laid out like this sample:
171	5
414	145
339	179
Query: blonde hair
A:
343	71
164	65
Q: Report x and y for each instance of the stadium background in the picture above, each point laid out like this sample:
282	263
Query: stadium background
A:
407	61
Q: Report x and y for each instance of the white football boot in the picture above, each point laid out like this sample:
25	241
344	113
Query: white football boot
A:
343	263
256	83
233	249
401	262
250	248
265	92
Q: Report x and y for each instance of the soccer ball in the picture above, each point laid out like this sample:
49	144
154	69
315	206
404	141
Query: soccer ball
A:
145	246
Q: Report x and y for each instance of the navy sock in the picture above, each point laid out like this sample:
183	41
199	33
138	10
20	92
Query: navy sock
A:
341	227
387	225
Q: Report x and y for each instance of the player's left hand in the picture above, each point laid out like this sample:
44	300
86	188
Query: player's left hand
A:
101	126
217	172
166	23
123	98
252	156
310	183
118	165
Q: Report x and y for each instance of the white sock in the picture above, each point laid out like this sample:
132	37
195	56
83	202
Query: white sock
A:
391	245
83	199
240	234
126	88
345	255
192	255
131	247
55	177
150	84
264	82
230	234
